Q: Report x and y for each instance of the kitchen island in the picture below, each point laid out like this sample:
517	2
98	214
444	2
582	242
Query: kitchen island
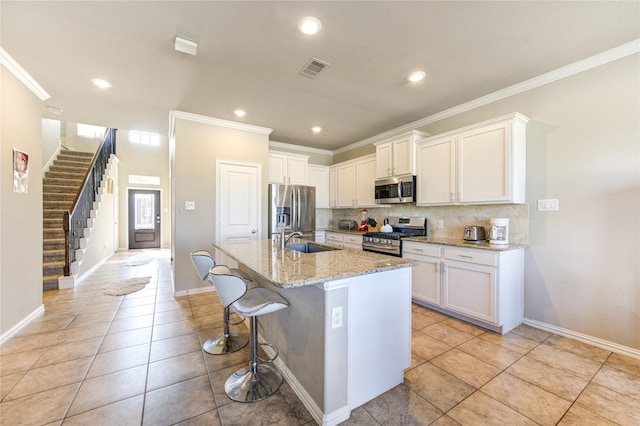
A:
346	336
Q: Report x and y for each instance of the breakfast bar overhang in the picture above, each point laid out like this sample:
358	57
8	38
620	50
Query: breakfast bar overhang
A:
346	336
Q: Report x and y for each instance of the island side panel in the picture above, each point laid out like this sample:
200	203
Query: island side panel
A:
379	333
298	333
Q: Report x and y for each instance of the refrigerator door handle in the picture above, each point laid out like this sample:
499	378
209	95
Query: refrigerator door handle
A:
298	208
294	207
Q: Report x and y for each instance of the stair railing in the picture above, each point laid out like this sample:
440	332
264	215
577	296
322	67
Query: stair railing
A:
75	220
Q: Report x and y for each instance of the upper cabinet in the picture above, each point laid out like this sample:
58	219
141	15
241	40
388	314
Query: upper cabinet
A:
352	183
479	164
318	176
288	168
395	156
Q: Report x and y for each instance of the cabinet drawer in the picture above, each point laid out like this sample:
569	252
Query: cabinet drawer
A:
419	248
482	257
334	237
353	239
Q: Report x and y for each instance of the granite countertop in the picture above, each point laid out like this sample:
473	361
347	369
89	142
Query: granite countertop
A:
459	242
289	268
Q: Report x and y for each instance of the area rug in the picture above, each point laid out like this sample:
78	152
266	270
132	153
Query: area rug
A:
128	286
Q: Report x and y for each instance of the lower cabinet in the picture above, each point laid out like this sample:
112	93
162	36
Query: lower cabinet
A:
484	287
353	241
425	278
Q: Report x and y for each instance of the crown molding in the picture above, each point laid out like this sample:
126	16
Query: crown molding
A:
175	114
308	149
21	74
619	52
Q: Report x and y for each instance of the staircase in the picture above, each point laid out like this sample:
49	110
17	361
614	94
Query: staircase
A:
59	189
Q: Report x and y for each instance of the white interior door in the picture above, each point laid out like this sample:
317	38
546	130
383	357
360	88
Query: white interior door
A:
238	215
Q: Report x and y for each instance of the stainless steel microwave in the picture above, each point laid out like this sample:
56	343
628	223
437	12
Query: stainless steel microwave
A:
399	189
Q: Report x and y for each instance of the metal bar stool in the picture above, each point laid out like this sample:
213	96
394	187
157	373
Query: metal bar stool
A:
257	381
226	342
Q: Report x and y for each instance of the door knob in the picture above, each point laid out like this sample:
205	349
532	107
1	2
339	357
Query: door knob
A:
253	231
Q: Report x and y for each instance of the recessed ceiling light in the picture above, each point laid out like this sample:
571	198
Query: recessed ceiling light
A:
240	113
184	45
416	76
309	25
316	129
103	84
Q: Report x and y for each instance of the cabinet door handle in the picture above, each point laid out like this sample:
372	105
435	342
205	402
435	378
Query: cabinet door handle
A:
465	256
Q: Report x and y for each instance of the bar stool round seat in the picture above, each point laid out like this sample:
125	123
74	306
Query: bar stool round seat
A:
256	381
226	342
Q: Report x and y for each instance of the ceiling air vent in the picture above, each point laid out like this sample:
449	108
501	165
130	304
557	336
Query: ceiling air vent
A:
313	68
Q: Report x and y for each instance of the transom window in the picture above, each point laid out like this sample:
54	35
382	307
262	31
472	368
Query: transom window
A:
144	138
144	180
91	132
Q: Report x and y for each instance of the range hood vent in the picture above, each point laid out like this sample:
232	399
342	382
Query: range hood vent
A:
313	68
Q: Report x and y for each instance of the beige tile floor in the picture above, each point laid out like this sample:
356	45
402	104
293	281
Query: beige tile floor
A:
93	359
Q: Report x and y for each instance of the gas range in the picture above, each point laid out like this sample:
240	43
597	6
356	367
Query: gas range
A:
391	242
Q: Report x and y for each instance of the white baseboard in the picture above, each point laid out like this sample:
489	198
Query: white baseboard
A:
95	267
331	419
24	321
604	344
194	291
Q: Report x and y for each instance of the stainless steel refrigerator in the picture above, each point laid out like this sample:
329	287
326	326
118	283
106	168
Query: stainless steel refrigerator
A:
292	207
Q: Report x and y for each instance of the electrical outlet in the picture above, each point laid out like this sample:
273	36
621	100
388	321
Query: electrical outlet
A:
336	317
189	205
549	205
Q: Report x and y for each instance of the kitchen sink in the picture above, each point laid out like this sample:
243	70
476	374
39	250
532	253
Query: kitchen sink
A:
309	247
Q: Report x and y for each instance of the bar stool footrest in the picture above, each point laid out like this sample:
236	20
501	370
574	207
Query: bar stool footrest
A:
246	386
268	360
225	344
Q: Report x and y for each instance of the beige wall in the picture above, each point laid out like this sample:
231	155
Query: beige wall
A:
583	147
196	148
20	214
144	160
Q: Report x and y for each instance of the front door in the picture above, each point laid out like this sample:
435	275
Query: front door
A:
144	219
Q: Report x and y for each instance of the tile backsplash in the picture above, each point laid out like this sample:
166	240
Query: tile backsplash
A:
442	221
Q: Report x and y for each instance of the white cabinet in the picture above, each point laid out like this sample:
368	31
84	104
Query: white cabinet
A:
425	278
352	183
333	187
320	236
480	164
288	168
347	185
469	283
353	241
365	182
318	176
395	156
481	286
436	165
334	238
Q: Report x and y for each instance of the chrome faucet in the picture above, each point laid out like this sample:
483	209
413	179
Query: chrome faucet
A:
284	239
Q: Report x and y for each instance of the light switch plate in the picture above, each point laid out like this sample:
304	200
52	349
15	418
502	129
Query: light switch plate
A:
189	205
549	205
